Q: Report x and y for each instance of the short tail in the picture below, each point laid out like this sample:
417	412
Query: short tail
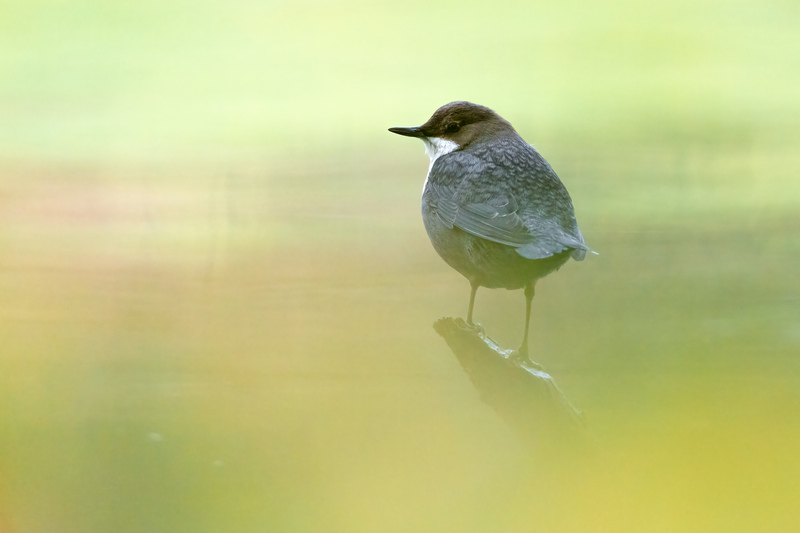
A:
579	252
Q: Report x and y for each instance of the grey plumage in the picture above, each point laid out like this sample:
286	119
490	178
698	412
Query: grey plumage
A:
493	207
519	202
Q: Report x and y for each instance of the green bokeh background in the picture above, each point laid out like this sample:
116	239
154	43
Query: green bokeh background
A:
217	294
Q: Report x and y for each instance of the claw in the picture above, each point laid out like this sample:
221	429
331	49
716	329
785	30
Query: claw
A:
521	356
478	327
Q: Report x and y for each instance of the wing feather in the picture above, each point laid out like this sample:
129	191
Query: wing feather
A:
497	219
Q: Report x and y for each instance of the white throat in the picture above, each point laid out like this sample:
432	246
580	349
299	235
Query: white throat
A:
436	147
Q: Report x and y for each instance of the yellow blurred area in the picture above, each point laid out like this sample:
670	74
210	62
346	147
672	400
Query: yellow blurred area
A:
217	295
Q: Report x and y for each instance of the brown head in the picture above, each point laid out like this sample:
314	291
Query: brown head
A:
460	123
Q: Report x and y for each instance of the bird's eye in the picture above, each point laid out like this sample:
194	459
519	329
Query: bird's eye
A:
452	128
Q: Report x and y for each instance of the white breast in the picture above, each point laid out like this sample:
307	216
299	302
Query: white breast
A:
436	147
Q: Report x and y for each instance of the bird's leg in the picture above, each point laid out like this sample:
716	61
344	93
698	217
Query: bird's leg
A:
523	348
471	302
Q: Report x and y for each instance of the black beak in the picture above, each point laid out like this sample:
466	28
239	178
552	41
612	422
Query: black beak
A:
408	132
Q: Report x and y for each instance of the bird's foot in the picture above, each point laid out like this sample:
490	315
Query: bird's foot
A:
476	327
469	326
520	356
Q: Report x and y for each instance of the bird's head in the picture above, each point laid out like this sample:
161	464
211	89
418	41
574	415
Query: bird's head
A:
455	126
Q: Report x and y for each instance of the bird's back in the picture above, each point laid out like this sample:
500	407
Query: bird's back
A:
499	214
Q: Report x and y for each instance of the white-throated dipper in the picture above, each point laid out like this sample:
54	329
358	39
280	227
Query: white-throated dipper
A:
493	208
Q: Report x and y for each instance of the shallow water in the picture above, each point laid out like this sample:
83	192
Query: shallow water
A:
177	356
217	296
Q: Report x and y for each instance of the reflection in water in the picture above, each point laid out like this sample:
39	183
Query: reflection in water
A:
216	294
296	382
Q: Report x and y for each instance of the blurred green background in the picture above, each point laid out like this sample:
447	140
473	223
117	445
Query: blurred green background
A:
217	294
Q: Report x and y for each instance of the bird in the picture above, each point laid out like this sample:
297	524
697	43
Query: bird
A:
493	207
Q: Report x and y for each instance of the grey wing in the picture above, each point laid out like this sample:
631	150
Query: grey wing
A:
461	194
498	221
